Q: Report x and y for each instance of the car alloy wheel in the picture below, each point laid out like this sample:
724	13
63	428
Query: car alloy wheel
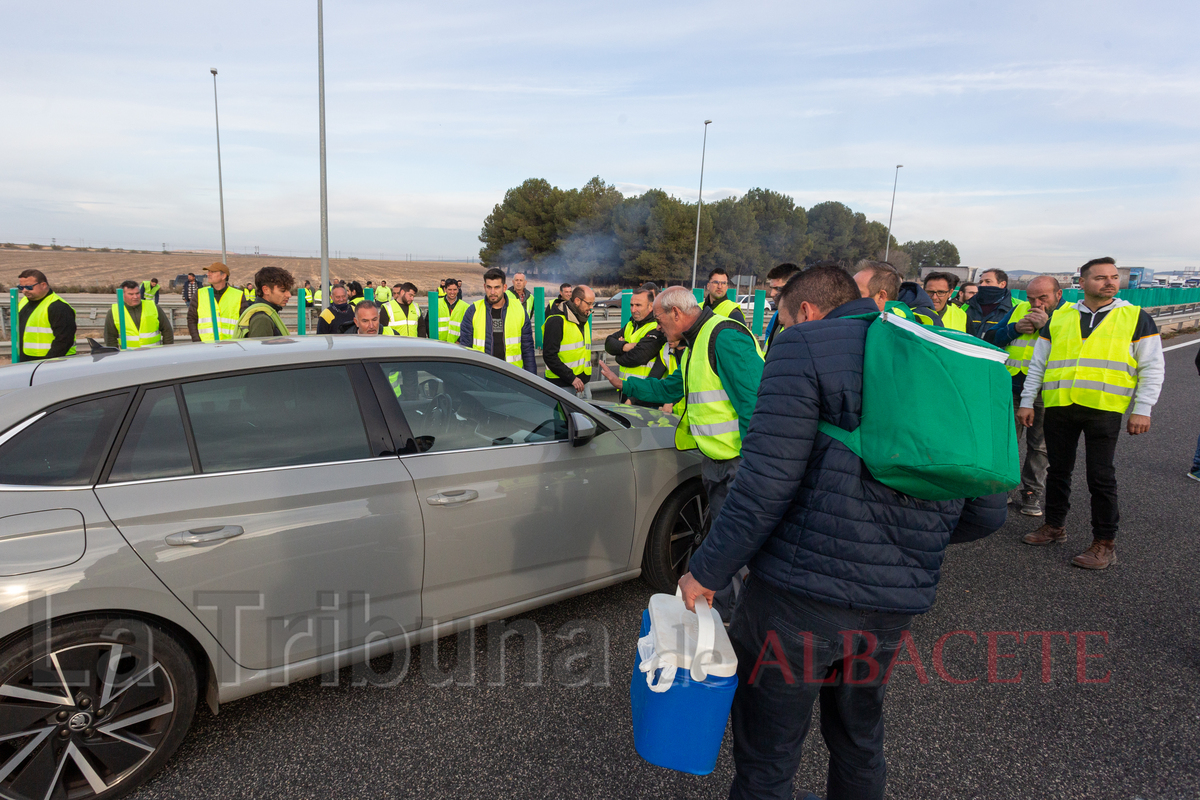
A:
91	711
678	530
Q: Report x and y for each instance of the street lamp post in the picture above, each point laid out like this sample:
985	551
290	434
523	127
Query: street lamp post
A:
220	185
700	204
324	195
887	249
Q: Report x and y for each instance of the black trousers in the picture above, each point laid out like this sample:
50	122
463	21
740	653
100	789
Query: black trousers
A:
1100	430
793	652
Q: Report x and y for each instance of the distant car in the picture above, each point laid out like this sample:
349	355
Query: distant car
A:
209	521
612	302
1192	282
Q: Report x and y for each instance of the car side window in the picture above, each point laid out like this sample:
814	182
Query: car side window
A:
65	447
155	446
454	406
276	419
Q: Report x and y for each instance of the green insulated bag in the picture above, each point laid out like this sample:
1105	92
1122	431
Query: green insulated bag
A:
937	419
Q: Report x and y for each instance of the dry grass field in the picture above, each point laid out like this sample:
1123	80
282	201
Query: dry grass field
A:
80	268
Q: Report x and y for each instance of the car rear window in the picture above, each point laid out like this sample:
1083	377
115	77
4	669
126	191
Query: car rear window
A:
276	419
65	447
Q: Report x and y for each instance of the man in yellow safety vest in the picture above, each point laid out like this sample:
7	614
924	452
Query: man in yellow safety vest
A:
1018	334
451	309
716	296
523	295
567	341
215	311
939	285
498	327
144	325
261	318
636	346
401	316
46	322
1093	361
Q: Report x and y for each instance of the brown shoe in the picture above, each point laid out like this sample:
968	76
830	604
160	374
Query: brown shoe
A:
1101	555
1047	534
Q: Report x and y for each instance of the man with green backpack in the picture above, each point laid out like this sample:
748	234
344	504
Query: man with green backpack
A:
847	496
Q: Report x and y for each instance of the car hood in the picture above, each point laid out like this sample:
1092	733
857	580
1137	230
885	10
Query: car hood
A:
639	417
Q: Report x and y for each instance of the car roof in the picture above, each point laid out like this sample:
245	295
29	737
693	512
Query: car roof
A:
27	387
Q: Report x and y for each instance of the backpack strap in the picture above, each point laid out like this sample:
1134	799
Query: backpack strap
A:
852	439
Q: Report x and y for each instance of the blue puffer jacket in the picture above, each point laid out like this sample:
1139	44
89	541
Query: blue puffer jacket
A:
805	513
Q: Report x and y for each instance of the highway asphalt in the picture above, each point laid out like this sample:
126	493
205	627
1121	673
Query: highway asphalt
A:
1136	736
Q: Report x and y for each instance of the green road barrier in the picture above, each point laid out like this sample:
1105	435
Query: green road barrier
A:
760	309
433	315
121	316
539	314
626	313
14	320
301	312
369	294
699	295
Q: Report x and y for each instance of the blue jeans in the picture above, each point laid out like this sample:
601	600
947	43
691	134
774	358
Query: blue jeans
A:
792	652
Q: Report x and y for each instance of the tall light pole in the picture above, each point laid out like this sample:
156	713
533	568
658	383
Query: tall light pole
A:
324	196
887	250
700	204
220	185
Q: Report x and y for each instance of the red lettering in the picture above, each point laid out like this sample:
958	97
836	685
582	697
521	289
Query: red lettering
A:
849	657
772	641
939	667
1082	656
809	677
994	656
910	648
1047	637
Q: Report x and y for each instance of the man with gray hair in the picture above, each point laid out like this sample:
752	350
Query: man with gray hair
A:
718	376
1018	333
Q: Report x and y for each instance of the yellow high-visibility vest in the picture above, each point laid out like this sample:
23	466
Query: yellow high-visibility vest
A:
229	310
1098	372
142	335
37	336
514	321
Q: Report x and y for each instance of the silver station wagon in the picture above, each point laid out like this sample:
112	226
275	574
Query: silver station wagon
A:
214	520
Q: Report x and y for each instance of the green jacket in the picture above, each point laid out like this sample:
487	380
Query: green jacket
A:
738	366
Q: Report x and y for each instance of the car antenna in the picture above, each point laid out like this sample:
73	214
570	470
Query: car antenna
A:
100	349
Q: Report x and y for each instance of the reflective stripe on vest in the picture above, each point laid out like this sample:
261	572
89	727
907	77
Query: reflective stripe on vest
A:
514	321
709	421
398	323
1098	372
36	335
575	349
243	323
145	335
450	322
229	310
633	335
954	318
1020	350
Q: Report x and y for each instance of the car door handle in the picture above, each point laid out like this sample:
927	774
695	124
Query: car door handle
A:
452	497
204	535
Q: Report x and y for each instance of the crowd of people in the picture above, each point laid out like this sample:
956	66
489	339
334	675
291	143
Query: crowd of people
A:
803	538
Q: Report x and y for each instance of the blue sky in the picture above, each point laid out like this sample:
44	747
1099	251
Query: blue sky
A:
1033	137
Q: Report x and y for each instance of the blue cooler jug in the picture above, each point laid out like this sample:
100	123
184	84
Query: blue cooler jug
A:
682	685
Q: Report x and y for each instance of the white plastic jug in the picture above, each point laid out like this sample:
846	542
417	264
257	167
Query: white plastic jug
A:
695	641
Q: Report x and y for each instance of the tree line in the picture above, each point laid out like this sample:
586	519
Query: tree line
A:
597	233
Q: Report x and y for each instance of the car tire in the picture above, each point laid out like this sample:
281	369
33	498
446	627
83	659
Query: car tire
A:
679	528
93	709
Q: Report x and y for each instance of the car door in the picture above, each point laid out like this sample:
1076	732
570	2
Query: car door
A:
272	505
513	509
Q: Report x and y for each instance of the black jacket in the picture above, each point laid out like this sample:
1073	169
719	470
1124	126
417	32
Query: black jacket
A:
805	513
336	319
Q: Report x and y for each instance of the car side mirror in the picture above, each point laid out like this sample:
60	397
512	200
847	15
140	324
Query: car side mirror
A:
583	429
